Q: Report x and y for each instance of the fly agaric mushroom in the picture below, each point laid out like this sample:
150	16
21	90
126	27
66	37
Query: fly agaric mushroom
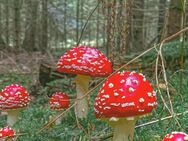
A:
124	98
85	62
59	101
6	132
176	136
13	99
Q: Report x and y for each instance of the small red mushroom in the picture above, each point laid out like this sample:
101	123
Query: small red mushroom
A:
13	99
124	98
85	62
176	136
59	101
6	132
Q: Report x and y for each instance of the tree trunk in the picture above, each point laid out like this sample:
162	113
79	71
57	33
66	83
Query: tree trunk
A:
128	39
2	43
97	32
161	20
29	42
77	20
174	18
111	16
17	7
65	23
121	30
7	22
138	26
44	32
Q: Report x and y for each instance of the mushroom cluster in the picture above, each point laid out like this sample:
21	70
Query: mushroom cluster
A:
124	98
85	62
13	99
176	136
6	132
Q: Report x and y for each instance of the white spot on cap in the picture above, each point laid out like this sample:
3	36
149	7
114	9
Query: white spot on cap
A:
121	90
141	100
122	81
132	72
1	97
123	97
127	104
110	85
102	99
107	107
18	93
115	104
102	91
149	94
116	94
151	104
171	136
122	73
96	110
6	94
106	96
131	90
141	110
154	93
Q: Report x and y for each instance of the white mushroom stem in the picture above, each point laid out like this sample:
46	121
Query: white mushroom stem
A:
123	129
82	85
58	121
12	117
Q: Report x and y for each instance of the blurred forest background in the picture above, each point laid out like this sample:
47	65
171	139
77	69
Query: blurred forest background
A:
35	33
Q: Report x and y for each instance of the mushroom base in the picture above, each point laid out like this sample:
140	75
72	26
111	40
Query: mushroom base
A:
82	85
123	129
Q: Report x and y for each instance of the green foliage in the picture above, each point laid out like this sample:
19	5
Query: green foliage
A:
171	54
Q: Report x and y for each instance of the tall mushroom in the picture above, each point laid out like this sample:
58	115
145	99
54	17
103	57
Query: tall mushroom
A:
13	99
176	136
59	101
6	132
124	98
85	62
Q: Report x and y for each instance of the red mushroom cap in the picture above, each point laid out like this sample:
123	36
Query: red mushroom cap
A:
59	101
85	61
6	132
125	94
176	136
14	97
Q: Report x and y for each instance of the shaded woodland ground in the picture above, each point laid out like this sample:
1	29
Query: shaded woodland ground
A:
35	33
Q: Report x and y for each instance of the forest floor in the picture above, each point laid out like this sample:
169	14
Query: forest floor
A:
23	62
23	68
